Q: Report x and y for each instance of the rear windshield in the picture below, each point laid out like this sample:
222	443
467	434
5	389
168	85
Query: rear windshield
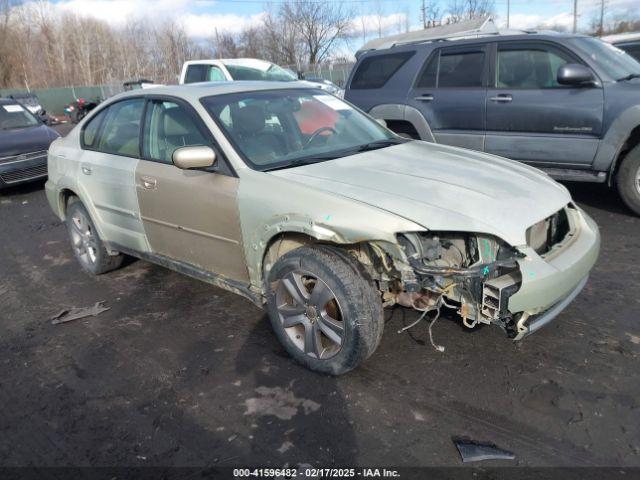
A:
273	73
375	71
15	115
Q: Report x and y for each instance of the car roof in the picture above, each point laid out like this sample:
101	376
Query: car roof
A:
478	30
194	91
622	37
244	62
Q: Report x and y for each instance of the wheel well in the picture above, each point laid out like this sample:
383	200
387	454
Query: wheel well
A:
402	127
65	196
368	256
281	244
632	141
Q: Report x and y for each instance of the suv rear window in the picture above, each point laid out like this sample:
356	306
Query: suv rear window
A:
454	69
376	70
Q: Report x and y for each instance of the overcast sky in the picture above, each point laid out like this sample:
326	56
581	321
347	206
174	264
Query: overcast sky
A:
202	17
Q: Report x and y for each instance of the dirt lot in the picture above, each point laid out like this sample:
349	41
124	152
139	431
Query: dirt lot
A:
180	373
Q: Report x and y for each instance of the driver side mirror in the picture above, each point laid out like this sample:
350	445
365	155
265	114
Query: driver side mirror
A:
194	157
575	74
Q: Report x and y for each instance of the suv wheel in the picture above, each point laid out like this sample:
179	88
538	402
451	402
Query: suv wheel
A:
87	245
628	180
324	311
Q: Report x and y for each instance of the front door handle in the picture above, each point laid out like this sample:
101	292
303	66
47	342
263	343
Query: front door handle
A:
149	183
86	170
502	98
424	98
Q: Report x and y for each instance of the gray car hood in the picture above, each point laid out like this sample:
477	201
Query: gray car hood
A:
441	188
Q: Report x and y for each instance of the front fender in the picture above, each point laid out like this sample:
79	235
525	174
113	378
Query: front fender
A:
613	141
321	215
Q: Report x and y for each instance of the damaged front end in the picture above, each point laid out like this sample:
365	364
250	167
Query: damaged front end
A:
475	274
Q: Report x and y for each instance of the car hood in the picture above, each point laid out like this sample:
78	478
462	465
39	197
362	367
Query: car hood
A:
441	188
25	140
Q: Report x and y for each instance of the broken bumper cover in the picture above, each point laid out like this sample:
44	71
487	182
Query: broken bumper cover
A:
550	284
529	324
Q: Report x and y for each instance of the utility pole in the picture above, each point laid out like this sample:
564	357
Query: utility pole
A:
423	10
575	15
509	12
601	17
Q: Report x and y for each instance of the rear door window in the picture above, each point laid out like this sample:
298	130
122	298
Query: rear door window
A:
195	73
454	69
375	71
121	132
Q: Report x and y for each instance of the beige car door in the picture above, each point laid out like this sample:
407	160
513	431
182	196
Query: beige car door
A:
190	216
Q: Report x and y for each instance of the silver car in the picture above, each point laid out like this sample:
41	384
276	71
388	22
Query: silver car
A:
300	202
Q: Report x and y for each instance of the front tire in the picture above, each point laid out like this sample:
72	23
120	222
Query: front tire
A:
628	180
87	246
323	309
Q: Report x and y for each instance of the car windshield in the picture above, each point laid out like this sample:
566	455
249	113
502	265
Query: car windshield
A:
285	128
270	72
14	115
616	62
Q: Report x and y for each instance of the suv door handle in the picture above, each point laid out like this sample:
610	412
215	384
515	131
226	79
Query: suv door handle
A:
149	183
502	98
424	98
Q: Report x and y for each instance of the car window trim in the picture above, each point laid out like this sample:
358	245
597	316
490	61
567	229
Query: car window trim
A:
105	109
227	169
467	48
526	44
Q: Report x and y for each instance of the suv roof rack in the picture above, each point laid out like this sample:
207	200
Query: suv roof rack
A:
476	27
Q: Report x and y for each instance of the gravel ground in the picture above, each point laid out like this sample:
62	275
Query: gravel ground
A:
180	373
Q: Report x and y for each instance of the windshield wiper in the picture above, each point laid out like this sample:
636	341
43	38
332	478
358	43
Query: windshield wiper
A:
631	76
298	162
387	142
338	154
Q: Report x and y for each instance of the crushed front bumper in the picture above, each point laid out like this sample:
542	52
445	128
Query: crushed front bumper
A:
551	282
529	324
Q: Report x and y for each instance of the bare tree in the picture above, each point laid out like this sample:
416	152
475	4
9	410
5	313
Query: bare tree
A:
460	10
41	46
320	25
8	40
431	13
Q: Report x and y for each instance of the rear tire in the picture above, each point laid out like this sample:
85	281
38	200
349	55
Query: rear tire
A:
87	246
628	180
323	309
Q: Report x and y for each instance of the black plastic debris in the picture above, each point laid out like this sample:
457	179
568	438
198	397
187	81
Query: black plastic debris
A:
75	313
472	451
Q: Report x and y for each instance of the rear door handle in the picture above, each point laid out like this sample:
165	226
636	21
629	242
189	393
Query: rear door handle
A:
424	98
86	169
149	183
502	98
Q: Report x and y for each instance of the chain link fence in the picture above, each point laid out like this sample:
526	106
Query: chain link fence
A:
337	73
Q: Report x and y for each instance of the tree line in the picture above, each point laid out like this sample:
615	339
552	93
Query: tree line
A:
41	47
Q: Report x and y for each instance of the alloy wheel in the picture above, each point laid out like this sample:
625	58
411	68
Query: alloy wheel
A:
83	238
310	314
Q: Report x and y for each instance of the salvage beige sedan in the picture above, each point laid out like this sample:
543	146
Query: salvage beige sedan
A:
295	199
